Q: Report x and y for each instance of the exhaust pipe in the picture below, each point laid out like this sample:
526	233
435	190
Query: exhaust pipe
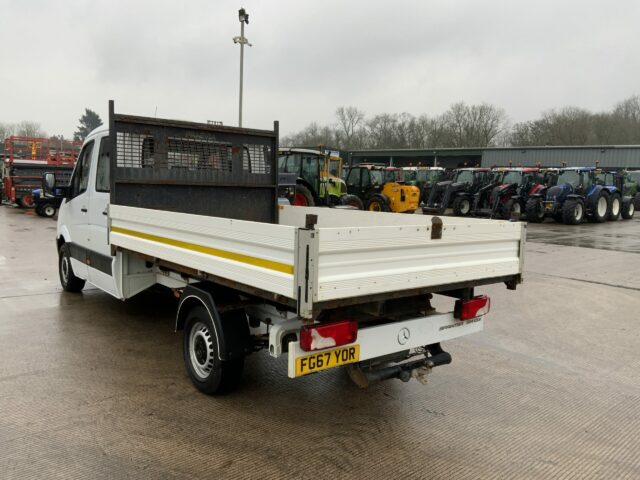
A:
405	371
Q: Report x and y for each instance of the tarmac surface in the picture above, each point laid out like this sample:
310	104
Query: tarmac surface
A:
94	388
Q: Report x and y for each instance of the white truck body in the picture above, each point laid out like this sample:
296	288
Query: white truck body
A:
346	257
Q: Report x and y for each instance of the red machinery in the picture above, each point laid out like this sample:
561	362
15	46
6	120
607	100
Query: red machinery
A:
26	159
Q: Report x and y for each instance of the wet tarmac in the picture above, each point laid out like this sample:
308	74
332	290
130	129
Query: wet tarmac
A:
93	388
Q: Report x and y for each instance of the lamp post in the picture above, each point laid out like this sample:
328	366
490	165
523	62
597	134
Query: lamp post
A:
243	16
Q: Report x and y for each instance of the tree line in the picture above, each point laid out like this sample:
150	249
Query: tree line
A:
481	125
26	128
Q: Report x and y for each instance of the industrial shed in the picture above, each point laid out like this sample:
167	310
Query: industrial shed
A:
608	156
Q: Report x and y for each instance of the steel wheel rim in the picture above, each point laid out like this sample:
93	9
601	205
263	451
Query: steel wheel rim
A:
578	211
615	206
602	206
64	269
515	208
632	208
201	350
465	206
375	207
49	211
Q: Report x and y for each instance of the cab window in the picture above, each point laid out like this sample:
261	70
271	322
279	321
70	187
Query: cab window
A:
103	172
81	172
354	176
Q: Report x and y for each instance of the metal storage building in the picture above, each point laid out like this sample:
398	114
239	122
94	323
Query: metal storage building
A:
612	156
608	156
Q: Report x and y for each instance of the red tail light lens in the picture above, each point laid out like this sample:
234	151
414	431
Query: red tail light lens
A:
476	307
318	337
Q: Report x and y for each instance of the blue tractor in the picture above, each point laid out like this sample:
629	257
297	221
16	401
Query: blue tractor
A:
621	195
576	194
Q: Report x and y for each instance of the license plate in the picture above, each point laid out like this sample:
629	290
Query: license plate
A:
326	359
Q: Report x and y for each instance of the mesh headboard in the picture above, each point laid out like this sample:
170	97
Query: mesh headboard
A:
193	167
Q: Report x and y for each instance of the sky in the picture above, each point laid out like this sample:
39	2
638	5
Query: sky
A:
176	59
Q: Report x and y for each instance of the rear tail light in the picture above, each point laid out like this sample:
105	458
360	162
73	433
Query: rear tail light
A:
473	308
318	337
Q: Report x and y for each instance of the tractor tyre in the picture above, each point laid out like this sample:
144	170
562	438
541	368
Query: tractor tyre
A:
39	211
600	210
573	211
512	209
534	210
378	203
615	207
48	210
462	206
26	201
352	200
303	197
636	201
628	209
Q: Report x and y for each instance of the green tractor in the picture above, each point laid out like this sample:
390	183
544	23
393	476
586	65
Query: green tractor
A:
318	182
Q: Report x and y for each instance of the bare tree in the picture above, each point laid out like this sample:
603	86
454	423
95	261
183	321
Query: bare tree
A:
350	121
6	130
28	128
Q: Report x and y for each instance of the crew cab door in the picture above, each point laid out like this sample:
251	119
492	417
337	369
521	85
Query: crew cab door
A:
100	261
77	211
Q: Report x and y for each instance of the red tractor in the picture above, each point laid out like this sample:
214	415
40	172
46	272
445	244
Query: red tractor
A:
26	159
507	192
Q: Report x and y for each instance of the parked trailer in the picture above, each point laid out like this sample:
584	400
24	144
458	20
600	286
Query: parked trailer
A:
170	203
26	159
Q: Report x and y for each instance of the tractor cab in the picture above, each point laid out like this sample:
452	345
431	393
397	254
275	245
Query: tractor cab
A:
507	192
318	177
458	192
424	178
382	188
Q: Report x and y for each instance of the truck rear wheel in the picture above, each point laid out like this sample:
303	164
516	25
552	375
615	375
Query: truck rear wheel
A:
207	371
68	280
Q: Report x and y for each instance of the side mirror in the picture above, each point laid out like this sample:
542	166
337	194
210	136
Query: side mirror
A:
48	183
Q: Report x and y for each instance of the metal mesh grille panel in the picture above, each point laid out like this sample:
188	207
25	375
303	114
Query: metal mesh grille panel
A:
137	150
255	158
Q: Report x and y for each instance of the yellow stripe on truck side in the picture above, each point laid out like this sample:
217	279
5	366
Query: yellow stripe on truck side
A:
216	252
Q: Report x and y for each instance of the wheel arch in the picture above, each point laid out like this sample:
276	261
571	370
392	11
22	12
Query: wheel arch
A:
193	296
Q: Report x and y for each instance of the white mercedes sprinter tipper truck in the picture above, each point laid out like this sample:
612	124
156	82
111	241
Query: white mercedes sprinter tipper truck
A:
194	207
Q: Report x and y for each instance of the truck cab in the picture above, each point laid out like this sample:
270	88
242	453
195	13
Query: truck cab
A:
83	215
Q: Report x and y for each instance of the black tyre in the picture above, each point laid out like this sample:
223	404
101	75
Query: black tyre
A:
636	201
47	210
68	280
378	203
628	209
600	210
352	200
39	211
534	209
461	206
208	373
512	209
573	211
615	207
303	197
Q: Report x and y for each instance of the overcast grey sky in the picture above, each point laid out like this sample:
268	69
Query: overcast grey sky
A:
309	57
